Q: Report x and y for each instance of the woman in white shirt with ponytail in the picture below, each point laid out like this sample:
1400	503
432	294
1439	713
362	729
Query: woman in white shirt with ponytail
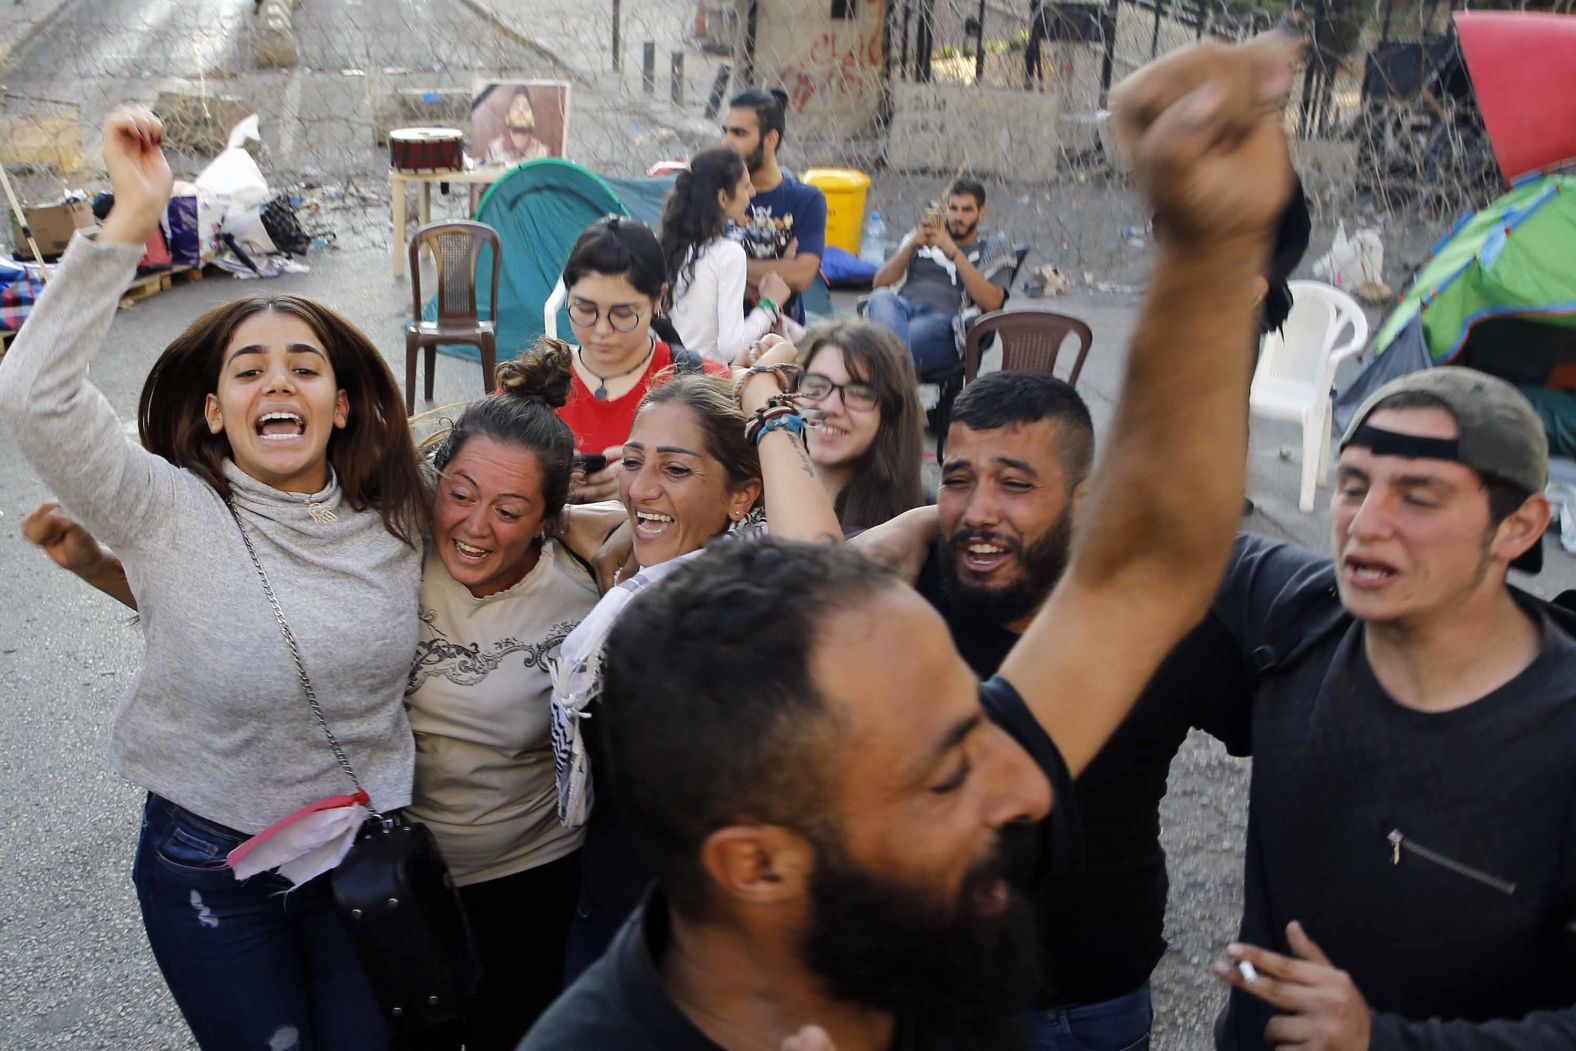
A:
706	268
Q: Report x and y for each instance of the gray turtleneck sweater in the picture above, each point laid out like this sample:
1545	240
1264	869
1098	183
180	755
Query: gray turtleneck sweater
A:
216	721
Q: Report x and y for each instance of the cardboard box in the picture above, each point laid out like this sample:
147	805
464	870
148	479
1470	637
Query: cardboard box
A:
52	227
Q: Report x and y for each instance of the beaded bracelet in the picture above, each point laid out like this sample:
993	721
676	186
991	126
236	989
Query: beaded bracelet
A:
786	373
788	421
752	429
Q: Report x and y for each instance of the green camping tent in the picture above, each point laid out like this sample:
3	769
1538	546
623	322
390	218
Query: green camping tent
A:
1498	294
1515	259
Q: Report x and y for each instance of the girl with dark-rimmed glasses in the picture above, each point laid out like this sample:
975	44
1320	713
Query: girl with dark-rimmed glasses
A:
616	280
868	442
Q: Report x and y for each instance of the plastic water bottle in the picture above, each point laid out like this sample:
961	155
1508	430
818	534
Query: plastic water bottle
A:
873	246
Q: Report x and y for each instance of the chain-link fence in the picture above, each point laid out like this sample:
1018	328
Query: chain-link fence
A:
1009	90
1382	99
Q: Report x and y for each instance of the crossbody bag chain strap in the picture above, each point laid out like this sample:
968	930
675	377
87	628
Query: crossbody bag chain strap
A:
295	655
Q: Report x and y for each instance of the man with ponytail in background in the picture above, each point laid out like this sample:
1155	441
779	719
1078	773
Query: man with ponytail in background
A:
786	226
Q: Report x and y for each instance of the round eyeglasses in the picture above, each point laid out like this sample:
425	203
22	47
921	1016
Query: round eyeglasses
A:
585	314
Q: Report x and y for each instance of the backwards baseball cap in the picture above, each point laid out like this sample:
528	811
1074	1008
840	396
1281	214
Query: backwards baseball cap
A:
1498	434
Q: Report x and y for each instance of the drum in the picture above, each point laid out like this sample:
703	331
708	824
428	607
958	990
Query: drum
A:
426	149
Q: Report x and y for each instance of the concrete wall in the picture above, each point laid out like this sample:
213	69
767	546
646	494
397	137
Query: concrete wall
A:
41	140
988	131
947	125
830	67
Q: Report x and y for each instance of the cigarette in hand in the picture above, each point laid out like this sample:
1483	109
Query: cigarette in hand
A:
1249	973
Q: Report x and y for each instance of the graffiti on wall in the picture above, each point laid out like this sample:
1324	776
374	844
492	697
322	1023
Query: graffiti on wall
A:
843	65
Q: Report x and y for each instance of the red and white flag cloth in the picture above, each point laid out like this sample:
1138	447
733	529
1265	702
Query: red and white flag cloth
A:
307	843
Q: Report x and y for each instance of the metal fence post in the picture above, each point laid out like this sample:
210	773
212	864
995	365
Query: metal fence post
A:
902	62
924	41
751	22
718	88
1108	60
618	44
1313	75
979	46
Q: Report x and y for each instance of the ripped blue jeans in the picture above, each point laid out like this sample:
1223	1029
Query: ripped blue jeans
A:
249	966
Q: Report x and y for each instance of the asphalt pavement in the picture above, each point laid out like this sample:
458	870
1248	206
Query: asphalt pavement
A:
75	971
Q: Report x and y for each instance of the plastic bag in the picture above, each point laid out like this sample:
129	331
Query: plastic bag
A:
234	175
157	255
193	219
844	269
246	229
1355	263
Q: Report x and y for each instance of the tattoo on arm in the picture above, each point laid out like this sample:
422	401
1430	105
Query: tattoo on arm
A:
804	457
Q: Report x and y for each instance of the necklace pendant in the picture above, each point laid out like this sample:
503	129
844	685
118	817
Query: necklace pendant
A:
600	393
321	513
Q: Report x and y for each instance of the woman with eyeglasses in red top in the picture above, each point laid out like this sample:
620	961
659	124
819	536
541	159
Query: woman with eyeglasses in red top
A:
616	279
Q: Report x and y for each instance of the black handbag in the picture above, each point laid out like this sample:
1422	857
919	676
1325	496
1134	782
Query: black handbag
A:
394	893
406	923
283	227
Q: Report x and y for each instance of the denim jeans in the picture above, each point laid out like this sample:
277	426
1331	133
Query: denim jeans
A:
1121	1024
926	333
249	965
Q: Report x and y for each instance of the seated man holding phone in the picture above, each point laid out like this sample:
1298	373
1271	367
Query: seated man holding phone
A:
945	273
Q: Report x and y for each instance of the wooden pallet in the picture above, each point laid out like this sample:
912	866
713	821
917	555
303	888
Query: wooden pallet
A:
151	285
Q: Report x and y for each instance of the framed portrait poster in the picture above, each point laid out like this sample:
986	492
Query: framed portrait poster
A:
518	120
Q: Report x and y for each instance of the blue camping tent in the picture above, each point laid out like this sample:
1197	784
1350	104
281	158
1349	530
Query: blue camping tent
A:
538	208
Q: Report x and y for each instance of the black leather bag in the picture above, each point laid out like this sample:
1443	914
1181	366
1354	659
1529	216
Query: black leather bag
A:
406	923
394	892
283	228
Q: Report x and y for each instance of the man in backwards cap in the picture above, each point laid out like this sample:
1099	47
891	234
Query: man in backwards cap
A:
1411	855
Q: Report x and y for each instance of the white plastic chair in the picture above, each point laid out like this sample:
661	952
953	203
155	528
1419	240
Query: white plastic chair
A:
1297	369
555	302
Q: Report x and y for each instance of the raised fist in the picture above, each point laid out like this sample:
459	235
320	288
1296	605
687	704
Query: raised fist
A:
1204	129
139	174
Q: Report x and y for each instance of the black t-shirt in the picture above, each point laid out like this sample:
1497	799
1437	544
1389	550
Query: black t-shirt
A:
982	644
1468	917
1102	926
620	1003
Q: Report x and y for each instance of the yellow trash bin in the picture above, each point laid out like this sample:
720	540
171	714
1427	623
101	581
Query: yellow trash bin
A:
845	191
